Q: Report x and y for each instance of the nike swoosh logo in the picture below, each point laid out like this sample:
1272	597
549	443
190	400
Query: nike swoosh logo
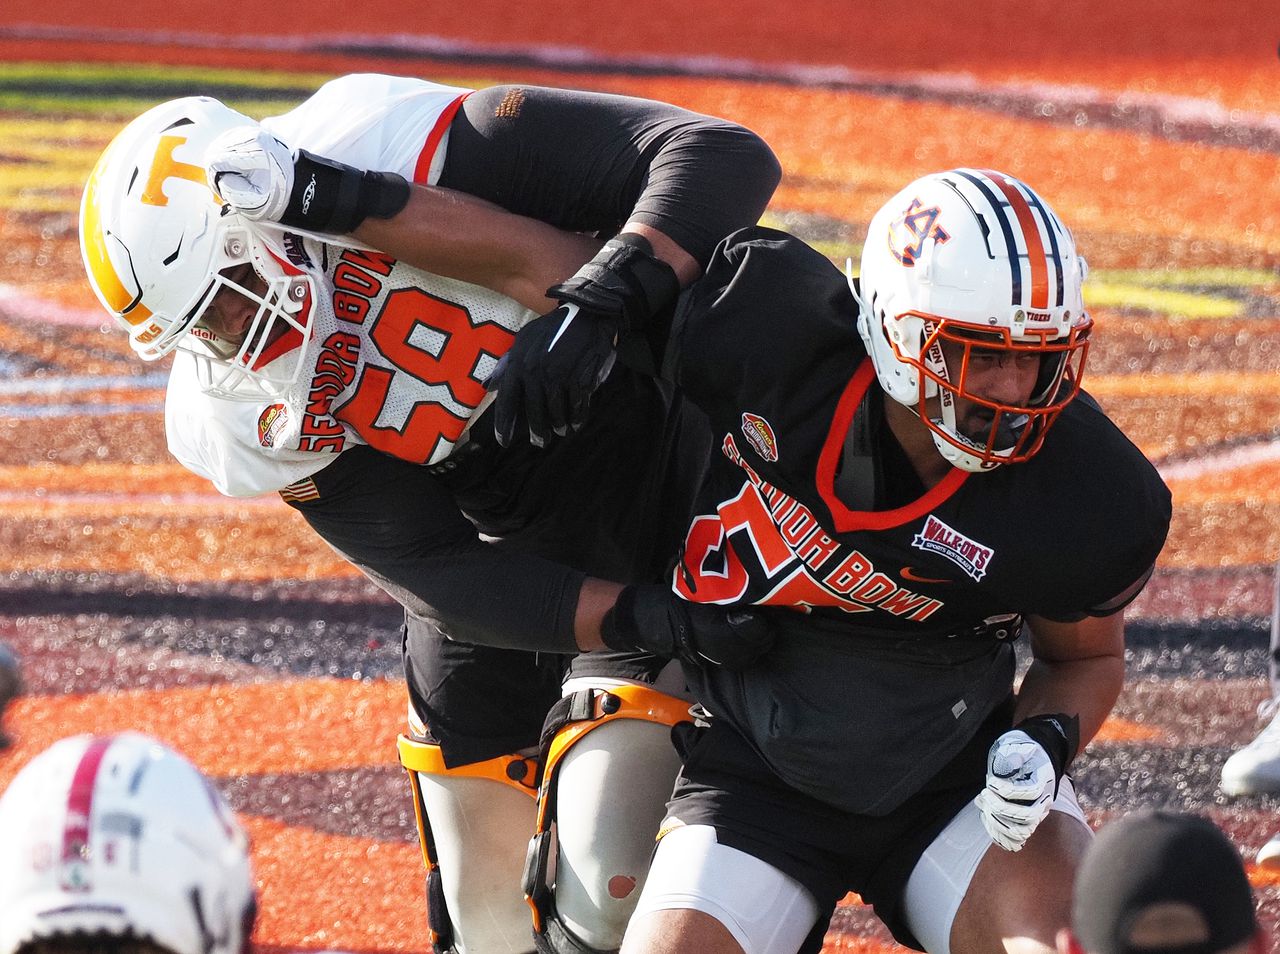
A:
907	573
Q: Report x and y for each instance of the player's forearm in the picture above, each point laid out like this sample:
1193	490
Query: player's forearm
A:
459	236
594	600
666	250
1077	669
1086	688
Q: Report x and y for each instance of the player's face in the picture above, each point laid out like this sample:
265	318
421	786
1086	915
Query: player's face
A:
231	313
1001	377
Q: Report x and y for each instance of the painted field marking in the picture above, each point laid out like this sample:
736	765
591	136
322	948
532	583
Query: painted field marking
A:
32	412
1175	110
320	891
1184	385
1116	730
20	304
281	726
73	383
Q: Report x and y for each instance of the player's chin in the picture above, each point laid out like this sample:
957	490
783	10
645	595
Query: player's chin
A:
976	427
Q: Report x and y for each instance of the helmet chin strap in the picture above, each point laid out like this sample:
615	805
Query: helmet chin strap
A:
1009	430
1008	427
954	454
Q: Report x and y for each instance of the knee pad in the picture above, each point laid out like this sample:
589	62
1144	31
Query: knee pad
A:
480	810
567	918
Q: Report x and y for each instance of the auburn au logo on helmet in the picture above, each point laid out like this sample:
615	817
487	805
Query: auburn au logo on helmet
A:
908	232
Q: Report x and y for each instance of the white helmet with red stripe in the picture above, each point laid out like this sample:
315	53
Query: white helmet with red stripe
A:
975	261
120	836
159	248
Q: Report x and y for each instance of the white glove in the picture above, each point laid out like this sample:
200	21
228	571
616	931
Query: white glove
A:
252	170
1021	785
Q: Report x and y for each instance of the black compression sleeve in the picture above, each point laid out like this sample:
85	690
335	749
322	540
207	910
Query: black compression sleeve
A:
589	162
394	521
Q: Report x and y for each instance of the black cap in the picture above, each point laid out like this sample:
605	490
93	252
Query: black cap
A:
1157	882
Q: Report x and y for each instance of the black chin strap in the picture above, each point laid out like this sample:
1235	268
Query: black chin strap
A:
1009	430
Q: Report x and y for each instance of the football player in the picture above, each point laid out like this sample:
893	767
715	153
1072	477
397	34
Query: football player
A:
319	351
118	845
913	464
909	461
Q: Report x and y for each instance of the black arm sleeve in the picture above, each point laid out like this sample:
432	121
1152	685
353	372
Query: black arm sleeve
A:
589	162
396	522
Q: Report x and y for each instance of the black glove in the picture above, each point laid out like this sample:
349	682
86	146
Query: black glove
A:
550	372
625	281
559	360
651	618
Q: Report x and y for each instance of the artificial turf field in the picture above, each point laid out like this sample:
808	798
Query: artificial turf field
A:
139	598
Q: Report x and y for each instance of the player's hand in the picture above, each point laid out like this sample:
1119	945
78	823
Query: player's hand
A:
650	617
252	170
1021	785
559	360
265	181
548	376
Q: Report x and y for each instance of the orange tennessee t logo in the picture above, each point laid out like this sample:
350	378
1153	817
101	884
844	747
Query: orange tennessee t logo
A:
165	167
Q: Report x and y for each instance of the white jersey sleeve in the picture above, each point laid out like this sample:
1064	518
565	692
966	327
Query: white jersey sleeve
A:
214	438
372	121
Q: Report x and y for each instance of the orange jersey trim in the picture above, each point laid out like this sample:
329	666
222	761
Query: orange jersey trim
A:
422	169
292	337
847	520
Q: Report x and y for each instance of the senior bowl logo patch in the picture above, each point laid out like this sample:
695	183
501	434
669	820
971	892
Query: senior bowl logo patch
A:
970	555
271	422
759	435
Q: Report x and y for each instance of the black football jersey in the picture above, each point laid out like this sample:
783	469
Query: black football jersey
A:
894	637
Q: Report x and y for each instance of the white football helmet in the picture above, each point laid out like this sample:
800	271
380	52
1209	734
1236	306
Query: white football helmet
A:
159	247
120	836
973	261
